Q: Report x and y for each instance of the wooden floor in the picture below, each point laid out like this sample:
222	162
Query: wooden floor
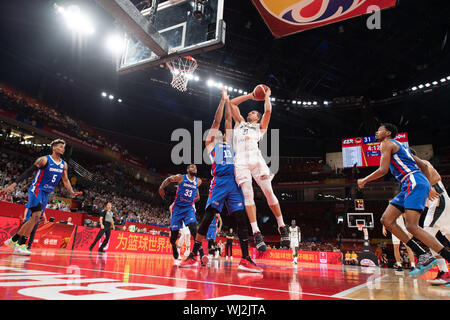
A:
80	275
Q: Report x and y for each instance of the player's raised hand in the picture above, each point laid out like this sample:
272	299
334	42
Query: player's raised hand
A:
268	93
225	95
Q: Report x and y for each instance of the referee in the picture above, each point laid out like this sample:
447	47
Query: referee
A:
106	223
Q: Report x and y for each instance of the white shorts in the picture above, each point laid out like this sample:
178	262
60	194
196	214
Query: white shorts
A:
294	244
245	171
438	214
401	223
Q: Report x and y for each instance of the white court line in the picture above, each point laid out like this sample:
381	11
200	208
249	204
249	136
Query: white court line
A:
342	294
203	282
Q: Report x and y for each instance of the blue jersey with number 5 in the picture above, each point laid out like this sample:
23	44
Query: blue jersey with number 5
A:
186	192
47	178
222	160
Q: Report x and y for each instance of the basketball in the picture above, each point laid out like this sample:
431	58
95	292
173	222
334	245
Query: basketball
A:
259	92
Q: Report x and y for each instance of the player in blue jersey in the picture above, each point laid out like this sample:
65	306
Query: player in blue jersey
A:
223	188
51	169
214	228
414	177
183	208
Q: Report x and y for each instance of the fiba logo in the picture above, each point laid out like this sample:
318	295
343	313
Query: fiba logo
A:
310	11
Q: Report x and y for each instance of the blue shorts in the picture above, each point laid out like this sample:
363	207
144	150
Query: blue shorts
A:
225	190
212	232
42	197
413	194
182	215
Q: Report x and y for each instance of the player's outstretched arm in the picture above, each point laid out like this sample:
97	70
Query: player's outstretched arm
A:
197	197
67	185
267	112
386	151
39	163
175	178
217	118
228	122
236	113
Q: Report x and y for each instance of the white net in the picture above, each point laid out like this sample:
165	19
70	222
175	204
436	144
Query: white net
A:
182	71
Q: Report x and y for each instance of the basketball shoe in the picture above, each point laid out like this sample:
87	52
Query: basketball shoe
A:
188	262
285	240
204	260
247	264
441	278
259	242
426	263
22	250
398	267
10	244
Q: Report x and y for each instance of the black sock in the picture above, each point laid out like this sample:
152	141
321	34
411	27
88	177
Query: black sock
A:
15	237
445	253
196	248
22	240
244	247
418	251
200	250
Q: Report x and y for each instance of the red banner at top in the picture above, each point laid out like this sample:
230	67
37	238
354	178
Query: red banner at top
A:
285	17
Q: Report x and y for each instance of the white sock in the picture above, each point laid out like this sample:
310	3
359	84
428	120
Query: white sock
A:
255	228
280	221
442	265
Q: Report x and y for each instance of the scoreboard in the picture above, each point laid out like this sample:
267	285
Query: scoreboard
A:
365	151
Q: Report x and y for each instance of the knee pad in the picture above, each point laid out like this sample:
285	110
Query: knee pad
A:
206	221
247	190
266	187
173	237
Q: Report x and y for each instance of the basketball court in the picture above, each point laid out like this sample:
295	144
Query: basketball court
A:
169	36
79	275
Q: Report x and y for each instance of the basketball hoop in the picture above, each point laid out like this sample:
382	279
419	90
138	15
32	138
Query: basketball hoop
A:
360	226
182	70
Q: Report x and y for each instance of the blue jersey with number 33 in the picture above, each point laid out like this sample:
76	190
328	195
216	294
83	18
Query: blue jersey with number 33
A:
186	192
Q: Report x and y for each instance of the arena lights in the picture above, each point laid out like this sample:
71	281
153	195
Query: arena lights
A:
115	43
120	100
427	85
75	20
111	97
104	94
434	83
443	80
325	103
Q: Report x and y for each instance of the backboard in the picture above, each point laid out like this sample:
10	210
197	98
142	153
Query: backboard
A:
176	30
365	218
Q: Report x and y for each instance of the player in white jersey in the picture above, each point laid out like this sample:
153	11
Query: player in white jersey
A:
437	219
295	237
185	239
249	163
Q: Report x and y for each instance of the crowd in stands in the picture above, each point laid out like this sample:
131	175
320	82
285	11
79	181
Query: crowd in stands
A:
35	111
93	199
